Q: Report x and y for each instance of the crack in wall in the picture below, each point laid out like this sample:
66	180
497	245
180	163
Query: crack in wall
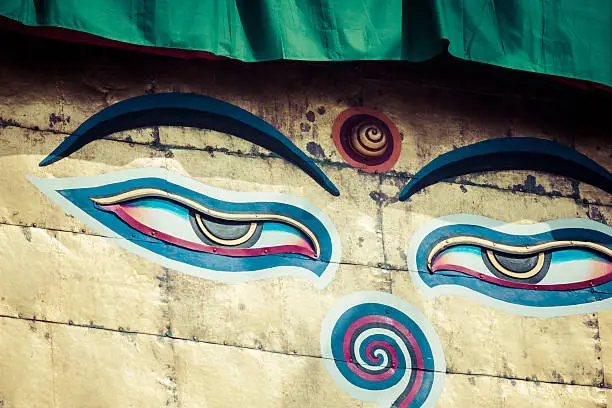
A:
599	349
379	226
164	291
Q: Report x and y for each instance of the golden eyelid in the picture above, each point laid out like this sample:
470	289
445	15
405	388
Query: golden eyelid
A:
154	192
511	249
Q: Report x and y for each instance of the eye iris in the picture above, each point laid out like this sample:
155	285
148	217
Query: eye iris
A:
529	268
227	233
516	263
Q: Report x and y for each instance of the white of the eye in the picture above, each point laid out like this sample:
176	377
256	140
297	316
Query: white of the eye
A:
281	234
372	332
469	260
569	272
173	222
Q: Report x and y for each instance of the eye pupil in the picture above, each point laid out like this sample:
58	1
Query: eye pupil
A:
517	263
225	229
517	267
226	232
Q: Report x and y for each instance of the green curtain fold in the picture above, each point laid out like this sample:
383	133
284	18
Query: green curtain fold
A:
568	38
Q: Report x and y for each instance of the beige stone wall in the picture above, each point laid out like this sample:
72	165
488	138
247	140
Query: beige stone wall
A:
84	323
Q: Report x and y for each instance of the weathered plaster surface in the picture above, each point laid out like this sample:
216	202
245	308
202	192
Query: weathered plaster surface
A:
84	323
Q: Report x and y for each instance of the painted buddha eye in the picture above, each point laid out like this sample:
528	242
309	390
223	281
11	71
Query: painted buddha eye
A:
554	268
555	265
183	222
200	230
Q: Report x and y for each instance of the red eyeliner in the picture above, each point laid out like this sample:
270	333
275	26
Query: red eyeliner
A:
518	285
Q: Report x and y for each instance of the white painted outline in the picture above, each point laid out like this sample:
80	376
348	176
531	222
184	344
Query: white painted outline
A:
49	187
509	228
384	398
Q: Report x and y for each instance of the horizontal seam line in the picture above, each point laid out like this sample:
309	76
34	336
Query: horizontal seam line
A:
197	340
378	265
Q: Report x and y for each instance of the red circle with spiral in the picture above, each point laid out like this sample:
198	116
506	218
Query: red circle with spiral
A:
367	139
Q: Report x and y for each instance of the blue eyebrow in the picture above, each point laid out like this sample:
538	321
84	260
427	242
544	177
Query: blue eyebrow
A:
190	110
521	153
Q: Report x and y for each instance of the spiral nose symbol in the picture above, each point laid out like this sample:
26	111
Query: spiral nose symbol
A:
381	349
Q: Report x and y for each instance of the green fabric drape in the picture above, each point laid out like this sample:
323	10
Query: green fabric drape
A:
569	38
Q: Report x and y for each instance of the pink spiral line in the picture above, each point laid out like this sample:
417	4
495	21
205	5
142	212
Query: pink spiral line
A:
346	346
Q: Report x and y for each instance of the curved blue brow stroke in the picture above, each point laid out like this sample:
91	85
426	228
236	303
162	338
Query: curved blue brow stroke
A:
191	110
521	153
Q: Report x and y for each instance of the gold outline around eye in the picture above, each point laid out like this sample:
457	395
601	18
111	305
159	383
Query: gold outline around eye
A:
518	275
227	242
510	249
154	192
